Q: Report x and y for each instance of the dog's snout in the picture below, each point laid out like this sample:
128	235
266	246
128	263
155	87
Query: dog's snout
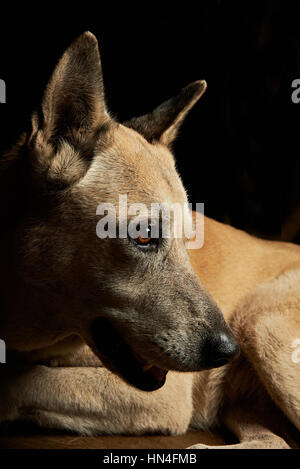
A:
222	349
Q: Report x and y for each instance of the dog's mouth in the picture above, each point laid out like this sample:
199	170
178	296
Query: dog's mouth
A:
118	356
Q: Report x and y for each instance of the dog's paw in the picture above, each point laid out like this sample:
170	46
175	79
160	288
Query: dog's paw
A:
202	446
261	442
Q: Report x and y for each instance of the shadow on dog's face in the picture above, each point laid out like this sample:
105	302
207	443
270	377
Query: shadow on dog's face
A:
134	299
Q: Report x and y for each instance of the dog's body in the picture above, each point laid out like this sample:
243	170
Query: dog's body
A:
59	294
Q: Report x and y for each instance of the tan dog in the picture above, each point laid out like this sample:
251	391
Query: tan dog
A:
137	303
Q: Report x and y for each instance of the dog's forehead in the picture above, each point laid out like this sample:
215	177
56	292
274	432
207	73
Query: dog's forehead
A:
133	166
136	150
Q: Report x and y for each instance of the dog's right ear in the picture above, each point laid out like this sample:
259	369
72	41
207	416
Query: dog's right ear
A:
163	123
73	108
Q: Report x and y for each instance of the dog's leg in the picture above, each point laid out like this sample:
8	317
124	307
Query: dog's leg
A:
267	326
266	378
252	432
89	400
248	411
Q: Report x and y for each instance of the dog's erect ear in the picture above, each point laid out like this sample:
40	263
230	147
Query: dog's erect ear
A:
163	123
72	113
74	98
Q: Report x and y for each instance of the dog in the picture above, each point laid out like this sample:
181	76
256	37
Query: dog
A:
131	336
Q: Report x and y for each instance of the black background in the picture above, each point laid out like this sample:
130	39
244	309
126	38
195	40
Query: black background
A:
239	149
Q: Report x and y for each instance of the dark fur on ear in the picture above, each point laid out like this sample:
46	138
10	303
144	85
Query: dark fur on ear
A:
163	123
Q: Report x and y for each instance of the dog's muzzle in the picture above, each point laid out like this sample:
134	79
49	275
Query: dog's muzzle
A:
218	349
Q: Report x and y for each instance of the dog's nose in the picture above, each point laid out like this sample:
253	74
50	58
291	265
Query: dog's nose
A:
223	348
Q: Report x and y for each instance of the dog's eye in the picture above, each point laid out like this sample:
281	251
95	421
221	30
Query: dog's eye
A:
144	239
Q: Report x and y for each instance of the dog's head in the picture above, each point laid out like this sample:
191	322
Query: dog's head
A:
135	299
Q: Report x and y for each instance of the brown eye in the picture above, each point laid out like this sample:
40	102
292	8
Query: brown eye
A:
144	240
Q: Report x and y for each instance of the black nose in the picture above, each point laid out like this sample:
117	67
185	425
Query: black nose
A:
221	349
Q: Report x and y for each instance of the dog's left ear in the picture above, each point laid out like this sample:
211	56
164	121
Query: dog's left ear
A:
163	123
72	114
73	102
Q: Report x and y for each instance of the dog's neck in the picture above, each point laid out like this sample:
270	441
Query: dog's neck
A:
231	262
